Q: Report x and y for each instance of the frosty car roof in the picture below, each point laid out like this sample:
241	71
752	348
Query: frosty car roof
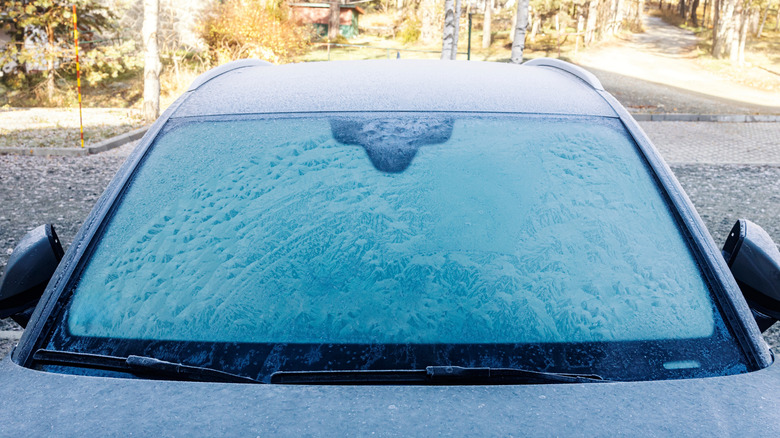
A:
254	87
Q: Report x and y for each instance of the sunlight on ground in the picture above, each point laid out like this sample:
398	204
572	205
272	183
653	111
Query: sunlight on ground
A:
59	127
649	57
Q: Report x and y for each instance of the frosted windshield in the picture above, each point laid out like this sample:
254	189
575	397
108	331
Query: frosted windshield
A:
497	229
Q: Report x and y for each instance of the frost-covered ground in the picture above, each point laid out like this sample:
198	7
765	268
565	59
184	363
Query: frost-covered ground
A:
59	127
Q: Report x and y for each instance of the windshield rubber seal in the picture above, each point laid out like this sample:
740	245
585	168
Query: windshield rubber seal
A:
55	299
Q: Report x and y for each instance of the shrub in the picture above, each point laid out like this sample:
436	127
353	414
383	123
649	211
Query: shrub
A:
104	63
411	29
236	29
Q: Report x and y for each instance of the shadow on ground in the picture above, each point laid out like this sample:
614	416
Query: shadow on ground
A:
643	96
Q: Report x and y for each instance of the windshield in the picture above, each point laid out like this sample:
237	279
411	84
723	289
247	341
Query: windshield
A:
353	241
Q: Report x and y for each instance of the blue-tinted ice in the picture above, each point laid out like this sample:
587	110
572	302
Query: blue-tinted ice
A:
515	230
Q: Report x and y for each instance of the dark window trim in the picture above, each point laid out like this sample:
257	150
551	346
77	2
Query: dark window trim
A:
58	292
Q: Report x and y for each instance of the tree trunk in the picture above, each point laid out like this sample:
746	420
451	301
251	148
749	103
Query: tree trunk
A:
754	20
777	19
429	22
723	32
682	10
715	17
743	37
152	65
333	20
518	45
763	20
736	26
449	38
457	29
514	22
640	11
704	15
50	64
486	37
737	21
536	22
694	18
590	25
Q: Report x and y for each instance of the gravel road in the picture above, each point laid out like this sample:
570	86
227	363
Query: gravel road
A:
54	190
62	190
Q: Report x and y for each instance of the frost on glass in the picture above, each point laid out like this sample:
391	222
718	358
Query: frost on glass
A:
513	230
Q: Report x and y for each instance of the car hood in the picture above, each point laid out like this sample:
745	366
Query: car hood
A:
36	403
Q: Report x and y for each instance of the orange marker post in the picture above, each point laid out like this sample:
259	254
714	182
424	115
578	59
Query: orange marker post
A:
78	71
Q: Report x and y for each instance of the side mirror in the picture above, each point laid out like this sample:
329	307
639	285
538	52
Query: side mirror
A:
27	273
754	261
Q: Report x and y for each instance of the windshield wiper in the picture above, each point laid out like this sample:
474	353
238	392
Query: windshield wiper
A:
139	365
433	375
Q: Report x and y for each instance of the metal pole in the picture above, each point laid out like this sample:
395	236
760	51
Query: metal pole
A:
78	72
468	52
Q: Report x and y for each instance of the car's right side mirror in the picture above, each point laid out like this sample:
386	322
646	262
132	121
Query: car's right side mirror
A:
754	261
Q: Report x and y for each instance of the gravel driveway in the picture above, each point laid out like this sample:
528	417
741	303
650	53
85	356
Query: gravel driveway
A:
62	190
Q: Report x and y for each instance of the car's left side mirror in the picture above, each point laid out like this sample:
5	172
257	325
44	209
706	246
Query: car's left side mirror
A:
27	273
754	261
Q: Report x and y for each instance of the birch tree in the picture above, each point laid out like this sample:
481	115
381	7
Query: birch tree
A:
152	65
763	19
743	29
518	43
457	29
486	37
736	44
429	20
723	29
449	43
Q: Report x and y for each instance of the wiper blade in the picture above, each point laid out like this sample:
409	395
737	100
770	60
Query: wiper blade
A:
139	365
432	375
157	367
506	376
350	377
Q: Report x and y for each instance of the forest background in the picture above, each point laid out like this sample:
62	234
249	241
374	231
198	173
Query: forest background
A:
37	51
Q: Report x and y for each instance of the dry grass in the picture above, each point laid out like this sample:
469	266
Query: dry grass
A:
761	69
59	127
124	92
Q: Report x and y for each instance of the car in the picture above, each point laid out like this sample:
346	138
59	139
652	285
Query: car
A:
395	247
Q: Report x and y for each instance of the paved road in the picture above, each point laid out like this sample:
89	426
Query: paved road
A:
716	143
729	170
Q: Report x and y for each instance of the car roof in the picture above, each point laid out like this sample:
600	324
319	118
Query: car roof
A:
254	87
